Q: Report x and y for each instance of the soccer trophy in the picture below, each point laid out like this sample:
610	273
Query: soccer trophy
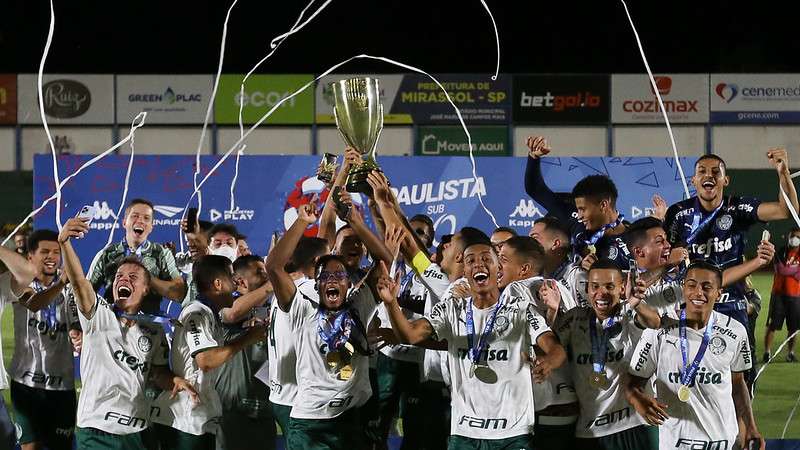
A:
359	118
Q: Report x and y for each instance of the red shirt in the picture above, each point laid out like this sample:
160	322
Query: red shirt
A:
787	274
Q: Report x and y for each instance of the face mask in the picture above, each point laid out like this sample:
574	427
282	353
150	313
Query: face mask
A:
794	241
224	250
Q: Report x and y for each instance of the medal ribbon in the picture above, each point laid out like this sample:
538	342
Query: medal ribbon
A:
689	371
334	327
145	317
599	233
49	314
483	340
599	343
697	225
139	250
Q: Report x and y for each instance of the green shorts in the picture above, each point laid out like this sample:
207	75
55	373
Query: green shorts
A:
554	437
643	437
281	413
92	438
339	433
240	431
426	417
523	442
46	417
398	381
173	439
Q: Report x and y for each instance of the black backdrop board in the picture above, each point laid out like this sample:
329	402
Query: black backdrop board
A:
561	99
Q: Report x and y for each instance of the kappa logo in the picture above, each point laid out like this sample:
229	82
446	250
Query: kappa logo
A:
102	211
727	91
527	209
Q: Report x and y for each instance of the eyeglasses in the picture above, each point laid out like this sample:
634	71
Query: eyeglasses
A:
336	276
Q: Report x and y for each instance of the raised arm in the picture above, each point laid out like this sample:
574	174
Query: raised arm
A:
415	332
84	293
373	243
768	211
764	254
212	358
391	213
22	271
243	305
327	221
535	185
173	289
282	282
646	315
42	299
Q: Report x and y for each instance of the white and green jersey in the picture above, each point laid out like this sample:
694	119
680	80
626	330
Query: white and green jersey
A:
665	296
7	296
558	388
505	408
603	411
201	331
42	348
411	291
573	277
708	419
322	394
115	363
280	374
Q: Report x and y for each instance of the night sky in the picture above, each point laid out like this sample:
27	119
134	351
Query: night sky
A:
437	35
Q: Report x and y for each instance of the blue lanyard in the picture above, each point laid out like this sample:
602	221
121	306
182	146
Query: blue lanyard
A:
557	272
139	250
690	370
483	340
599	343
146	318
599	233
697	225
50	313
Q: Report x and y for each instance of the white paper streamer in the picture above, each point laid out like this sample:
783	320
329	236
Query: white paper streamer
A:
40	89
125	189
764	367
497	41
660	101
139	117
789	419
331	69
274	44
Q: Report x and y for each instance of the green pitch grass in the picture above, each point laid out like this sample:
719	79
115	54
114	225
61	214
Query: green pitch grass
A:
776	391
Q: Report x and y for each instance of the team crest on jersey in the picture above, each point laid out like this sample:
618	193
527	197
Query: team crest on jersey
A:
612	253
717	345
501	324
144	343
724	222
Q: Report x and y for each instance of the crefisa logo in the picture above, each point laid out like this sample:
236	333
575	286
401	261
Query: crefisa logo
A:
727	91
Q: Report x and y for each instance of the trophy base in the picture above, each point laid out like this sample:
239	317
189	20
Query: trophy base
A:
357	177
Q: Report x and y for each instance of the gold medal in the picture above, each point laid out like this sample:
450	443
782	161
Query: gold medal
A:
592	249
599	380
339	361
684	393
345	372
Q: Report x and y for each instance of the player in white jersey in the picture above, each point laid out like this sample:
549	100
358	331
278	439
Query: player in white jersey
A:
330	343
12	285
554	237
487	334
699	362
42	369
521	260
198	350
121	351
279	371
598	340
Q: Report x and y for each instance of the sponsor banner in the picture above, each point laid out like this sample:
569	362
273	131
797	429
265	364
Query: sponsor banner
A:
751	98
415	98
167	99
262	93
271	188
553	99
451	141
388	84
68	99
8	99
685	98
